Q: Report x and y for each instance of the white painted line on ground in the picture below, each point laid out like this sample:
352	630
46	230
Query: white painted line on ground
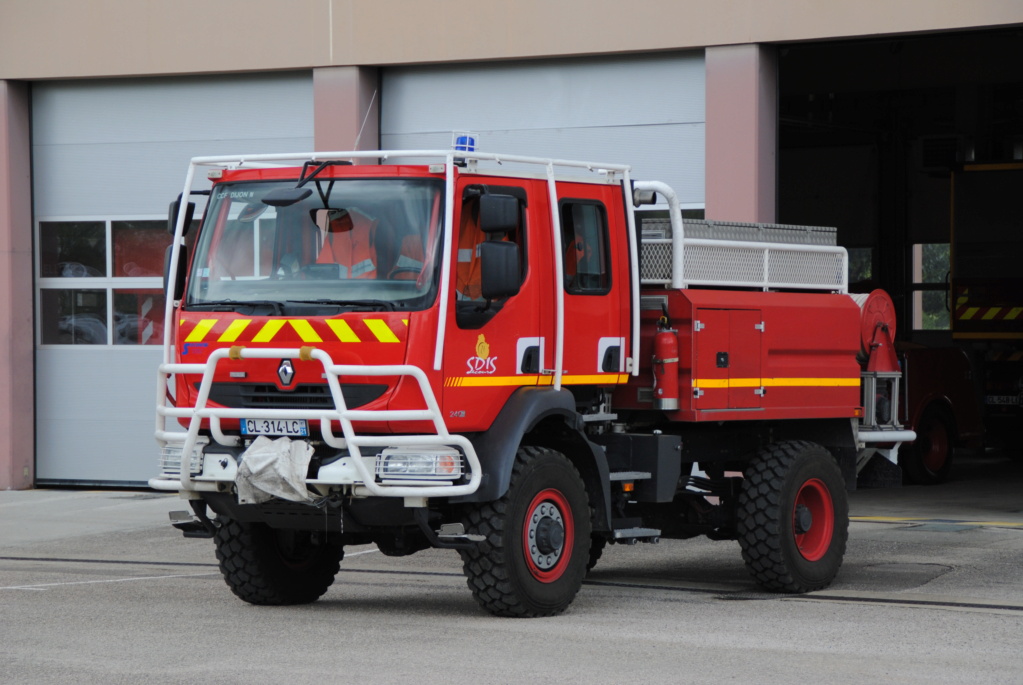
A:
42	586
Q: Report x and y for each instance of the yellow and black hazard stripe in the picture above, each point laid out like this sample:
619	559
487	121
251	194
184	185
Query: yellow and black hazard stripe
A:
297	330
1004	356
966	313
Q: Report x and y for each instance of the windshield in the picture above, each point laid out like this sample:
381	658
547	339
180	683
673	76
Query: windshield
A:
363	243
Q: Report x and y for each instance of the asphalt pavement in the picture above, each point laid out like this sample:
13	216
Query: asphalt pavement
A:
96	587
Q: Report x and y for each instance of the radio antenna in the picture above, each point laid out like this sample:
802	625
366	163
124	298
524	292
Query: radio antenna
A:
362	128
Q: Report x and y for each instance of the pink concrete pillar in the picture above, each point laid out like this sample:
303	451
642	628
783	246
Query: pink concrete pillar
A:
17	360
742	133
346	108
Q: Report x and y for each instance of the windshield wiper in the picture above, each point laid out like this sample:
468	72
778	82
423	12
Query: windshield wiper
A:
372	305
234	305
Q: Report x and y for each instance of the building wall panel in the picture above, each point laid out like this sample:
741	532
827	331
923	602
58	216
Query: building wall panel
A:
115	150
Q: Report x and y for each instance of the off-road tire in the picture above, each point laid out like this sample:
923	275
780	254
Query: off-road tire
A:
793	517
265	566
597	545
546	501
928	459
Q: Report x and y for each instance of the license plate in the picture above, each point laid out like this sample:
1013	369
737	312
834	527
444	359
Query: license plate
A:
1002	399
287	427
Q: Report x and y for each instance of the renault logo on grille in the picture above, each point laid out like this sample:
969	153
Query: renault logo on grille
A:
286	372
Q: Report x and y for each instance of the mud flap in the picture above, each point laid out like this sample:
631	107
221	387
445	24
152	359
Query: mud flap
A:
879	473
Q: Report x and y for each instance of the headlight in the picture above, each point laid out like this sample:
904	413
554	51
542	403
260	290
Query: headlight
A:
419	463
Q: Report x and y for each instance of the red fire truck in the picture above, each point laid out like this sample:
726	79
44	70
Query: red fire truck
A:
497	354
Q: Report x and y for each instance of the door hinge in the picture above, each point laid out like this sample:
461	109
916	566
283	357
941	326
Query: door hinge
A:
698	326
760	391
698	392
760	326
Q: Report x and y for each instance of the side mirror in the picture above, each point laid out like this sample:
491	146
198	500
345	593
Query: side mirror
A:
179	275
500	268
172	215
499	213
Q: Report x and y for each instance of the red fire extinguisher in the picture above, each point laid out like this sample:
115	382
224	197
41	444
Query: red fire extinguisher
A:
665	366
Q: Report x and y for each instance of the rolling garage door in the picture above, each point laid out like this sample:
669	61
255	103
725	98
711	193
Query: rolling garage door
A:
108	157
645	111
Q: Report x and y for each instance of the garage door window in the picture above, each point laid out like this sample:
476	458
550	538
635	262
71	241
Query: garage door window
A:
930	286
100	282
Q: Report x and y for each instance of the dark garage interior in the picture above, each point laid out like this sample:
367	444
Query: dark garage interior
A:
875	138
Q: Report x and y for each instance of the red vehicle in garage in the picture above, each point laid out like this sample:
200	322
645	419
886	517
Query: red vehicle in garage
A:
941	407
487	353
986	290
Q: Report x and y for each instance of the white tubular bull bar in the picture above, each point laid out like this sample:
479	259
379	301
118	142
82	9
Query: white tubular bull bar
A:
341	413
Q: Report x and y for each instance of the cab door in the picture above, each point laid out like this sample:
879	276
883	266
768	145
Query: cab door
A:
493	346
595	284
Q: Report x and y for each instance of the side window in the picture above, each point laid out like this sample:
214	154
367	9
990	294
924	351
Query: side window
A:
468	272
585	242
472	309
470	236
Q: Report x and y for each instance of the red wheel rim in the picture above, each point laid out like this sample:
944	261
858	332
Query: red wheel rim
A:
548	558
935	446
813	499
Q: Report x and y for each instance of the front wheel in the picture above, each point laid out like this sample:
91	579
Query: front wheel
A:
793	518
263	565
537	544
597	544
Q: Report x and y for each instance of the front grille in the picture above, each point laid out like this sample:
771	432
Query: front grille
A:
304	396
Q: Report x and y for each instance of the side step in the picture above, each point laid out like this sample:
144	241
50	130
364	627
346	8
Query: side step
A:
192	526
450	535
455	532
630	536
629	531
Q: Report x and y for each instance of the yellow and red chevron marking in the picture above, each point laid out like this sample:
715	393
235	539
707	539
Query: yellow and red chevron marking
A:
965	313
304	331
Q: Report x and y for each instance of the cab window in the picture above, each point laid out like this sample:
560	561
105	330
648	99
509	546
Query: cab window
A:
584	239
471	307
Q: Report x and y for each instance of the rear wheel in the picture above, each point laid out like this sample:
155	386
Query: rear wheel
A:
793	518
537	543
928	460
263	565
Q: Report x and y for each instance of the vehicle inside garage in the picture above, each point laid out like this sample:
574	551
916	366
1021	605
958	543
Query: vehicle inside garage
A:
913	148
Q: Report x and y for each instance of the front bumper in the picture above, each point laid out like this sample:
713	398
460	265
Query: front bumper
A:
362	467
